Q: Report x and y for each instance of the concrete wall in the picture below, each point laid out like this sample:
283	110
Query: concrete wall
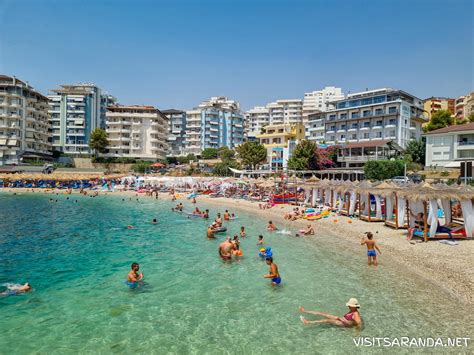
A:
86	163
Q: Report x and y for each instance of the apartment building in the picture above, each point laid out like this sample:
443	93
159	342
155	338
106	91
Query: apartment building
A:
459	104
255	119
75	111
386	118
449	146
291	111
176	131
320	101
468	105
280	140
214	123
433	104
24	122
139	132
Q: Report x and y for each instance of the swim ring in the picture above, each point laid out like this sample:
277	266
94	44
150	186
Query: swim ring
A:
221	229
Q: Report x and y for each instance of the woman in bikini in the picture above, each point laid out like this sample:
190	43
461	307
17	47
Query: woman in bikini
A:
350	319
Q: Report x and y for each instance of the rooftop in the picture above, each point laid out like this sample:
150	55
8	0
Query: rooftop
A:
455	128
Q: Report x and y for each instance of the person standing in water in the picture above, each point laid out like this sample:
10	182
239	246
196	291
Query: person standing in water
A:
350	319
134	276
371	247
273	273
260	240
243	233
218	220
271	227
226	215
226	248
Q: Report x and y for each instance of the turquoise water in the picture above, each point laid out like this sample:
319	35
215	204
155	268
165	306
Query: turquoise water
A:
77	256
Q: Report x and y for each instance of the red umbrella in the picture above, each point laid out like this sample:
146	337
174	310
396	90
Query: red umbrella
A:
157	165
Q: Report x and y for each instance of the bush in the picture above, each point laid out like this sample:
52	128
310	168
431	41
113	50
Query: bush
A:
141	167
383	169
444	173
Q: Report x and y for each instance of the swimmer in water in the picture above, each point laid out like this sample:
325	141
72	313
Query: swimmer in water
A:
205	214
260	240
350	319
218	220
130	226
272	272
226	215
271	227
243	233
154	221
211	231
194	200
14	289
134	276
226	248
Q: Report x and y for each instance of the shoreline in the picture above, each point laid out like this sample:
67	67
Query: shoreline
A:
444	266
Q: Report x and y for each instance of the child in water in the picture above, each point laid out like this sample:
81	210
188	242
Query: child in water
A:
260	240
371	247
243	233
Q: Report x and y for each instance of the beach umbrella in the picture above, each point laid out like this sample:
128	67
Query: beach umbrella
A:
312	179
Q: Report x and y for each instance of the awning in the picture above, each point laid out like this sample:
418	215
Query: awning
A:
453	164
3	141
12	142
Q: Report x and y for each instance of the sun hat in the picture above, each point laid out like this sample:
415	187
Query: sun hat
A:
353	303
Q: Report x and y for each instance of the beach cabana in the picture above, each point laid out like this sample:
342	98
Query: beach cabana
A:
428	200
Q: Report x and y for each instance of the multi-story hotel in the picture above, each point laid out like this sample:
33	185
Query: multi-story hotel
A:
137	132
468	105
459	108
24	122
176	131
291	111
433	104
369	125
76	110
214	123
449	146
280	140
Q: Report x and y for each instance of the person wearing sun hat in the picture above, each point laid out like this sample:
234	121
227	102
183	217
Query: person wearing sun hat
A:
350	319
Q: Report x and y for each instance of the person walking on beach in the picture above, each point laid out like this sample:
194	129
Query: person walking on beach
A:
273	273
371	247
350	319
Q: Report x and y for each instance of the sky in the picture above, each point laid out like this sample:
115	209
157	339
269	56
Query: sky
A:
175	54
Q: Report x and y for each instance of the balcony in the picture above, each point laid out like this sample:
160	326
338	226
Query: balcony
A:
360	158
377	126
365	128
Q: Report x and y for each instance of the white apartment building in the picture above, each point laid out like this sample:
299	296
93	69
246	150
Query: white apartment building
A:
76	110
137	132
449	146
214	123
320	101
255	120
24	122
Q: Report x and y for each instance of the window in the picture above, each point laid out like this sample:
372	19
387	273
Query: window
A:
366	135
366	113
379	111
378	135
332	138
366	101
355	114
436	153
392	121
366	124
354	125
343	137
392	133
343	126
332	117
354	136
343	116
392	109
379	123
378	99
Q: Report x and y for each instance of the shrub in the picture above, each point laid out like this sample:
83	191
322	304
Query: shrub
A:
383	169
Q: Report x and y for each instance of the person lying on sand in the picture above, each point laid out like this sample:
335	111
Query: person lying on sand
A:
350	319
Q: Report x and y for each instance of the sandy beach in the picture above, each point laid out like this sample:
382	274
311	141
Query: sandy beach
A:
445	266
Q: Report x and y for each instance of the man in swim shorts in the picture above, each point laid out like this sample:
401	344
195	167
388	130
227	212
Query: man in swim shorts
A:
271	227
218	220
211	230
273	272
371	247
134	276
226	215
205	214
226	248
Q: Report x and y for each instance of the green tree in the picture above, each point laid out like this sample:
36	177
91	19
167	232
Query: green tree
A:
190	157
304	156
470	118
224	153
251	153
222	169
141	167
439	119
209	153
295	163
416	151
98	141
383	169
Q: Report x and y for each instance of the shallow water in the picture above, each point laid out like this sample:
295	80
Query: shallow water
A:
77	256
